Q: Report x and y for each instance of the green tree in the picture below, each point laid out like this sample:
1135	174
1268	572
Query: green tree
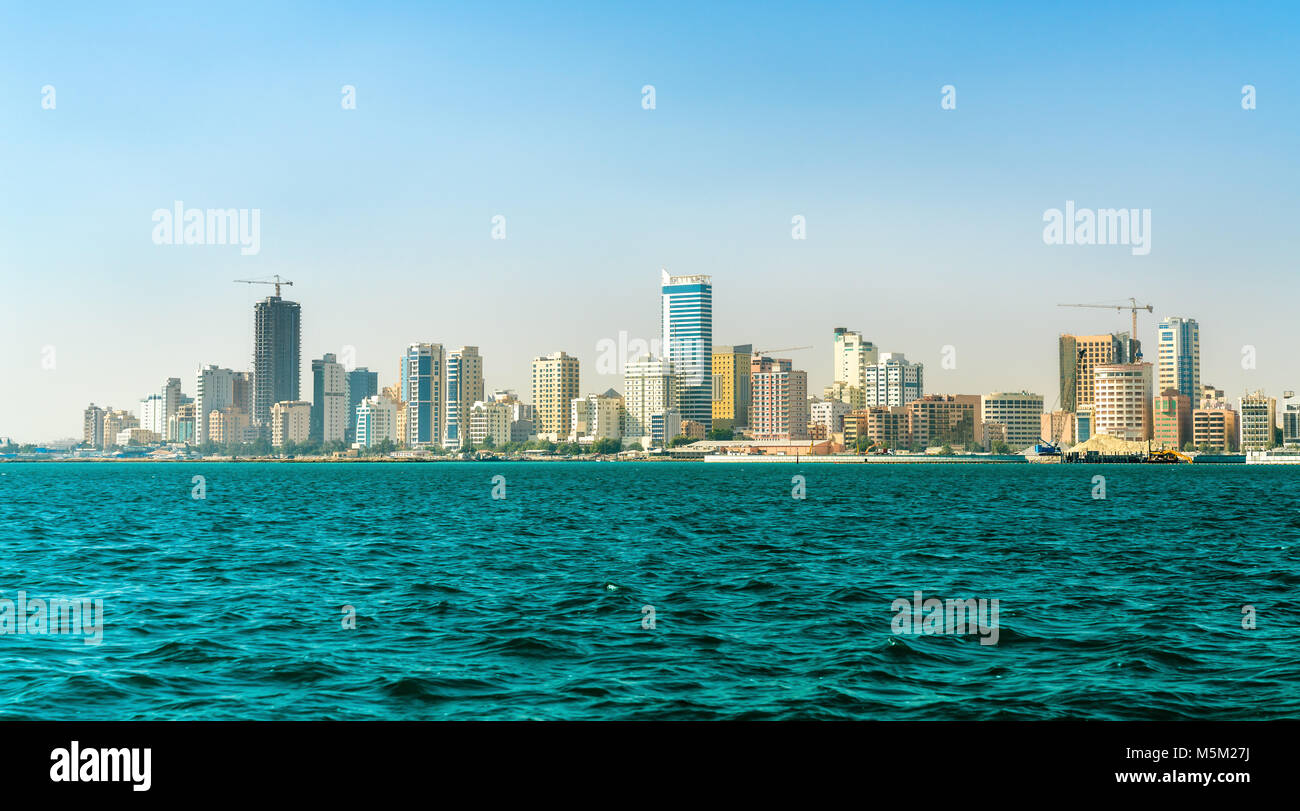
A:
679	440
720	434
606	446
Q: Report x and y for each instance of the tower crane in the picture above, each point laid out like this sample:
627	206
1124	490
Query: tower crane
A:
277	282
783	349
1132	306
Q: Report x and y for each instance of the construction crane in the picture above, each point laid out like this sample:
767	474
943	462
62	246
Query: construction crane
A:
277	282
1132	306
785	349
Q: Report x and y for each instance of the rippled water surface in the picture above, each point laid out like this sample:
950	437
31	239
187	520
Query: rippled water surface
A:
765	606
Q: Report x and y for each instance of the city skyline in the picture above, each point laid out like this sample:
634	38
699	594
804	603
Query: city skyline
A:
435	409
923	226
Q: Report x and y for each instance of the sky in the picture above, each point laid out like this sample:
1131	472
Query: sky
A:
924	226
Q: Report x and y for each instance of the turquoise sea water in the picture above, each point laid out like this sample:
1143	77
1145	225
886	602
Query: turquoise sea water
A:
765	606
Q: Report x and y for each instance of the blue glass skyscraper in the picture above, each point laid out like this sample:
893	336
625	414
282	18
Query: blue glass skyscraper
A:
687	324
422	391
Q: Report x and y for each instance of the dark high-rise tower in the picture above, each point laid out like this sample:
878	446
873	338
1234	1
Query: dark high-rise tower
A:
277	336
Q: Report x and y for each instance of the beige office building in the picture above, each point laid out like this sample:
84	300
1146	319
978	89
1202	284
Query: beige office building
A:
1258	418
1018	412
290	422
731	385
555	385
1122	400
1214	429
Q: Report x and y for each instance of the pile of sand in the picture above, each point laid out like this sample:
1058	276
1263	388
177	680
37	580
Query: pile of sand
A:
1109	445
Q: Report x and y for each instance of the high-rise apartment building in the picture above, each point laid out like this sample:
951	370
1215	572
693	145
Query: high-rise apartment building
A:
1020	414
555	384
596	416
731	385
779	411
893	381
172	399
1258	418
92	426
464	380
277	337
423	381
376	421
1215	429
686	318
490	420
852	355
649	388
290	422
1179	350
329	403
153	415
1122	400
214	389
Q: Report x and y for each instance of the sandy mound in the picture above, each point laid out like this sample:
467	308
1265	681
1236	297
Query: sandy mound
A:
1106	444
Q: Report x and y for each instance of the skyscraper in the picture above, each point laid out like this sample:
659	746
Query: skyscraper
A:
893	381
1123	401
851	357
779	410
731	385
686	318
555	385
649	388
214	389
171	397
1180	356
423	380
92	432
1258	420
329	404
362	383
464	389
277	355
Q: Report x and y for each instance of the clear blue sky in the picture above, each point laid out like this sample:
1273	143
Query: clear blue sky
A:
924	225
